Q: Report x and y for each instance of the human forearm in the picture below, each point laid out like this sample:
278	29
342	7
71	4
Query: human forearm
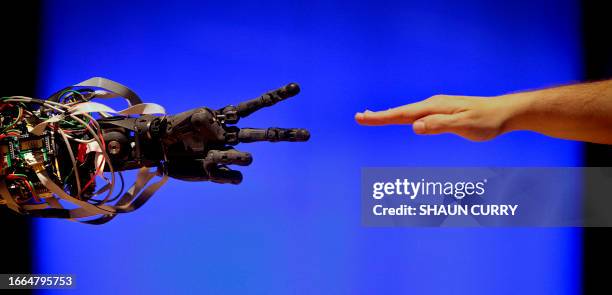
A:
578	112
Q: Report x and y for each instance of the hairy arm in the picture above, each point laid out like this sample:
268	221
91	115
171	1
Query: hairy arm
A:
577	112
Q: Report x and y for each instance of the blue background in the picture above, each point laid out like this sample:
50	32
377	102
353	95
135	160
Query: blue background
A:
293	226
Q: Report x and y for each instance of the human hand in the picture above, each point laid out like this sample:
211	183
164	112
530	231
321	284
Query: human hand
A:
474	118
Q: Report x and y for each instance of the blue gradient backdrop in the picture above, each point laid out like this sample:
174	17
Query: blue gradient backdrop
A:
293	226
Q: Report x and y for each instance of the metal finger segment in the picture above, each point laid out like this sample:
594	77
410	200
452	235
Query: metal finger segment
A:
231	114
223	174
272	134
229	157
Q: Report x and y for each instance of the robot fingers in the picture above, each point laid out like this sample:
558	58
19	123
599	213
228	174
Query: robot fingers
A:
223	174
229	157
231	114
202	170
269	99
272	134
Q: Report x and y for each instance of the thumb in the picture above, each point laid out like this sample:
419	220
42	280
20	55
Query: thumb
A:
437	123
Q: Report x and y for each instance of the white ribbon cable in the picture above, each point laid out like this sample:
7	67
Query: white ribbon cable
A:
94	107
40	127
47	182
138	109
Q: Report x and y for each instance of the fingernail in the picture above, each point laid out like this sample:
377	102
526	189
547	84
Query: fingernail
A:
418	127
367	111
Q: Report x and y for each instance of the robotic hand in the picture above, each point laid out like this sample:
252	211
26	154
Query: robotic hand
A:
196	145
52	151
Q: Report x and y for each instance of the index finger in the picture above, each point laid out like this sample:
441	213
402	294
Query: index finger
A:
268	99
399	115
405	114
